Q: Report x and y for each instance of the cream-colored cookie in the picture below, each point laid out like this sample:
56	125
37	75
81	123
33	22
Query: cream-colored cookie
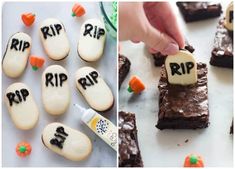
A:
54	39
181	68
67	142
55	90
229	17
16	54
92	40
94	89
21	106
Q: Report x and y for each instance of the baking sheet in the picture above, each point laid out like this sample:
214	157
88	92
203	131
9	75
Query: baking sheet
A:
102	154
168	148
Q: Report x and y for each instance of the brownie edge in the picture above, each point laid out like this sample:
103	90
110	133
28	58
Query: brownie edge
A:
123	68
129	152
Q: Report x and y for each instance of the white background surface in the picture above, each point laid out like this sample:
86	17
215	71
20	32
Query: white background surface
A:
168	147
102	154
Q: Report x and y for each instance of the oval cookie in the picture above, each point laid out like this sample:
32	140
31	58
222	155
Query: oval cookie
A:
94	89
92	40
181	68
67	142
16	54
55	90
21	106
54	39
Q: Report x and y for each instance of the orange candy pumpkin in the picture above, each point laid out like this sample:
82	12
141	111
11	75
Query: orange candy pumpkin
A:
135	85
23	149
36	62
78	10
28	18
193	160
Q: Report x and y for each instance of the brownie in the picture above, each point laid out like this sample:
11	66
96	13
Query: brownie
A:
183	107
129	153
222	53
159	59
123	68
195	11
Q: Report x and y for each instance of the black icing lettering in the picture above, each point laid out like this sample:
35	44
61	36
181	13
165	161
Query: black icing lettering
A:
182	68
53	31
101	32
49	77
56	79
231	16
60	137
189	66
174	69
25	46
11	98
83	83
57	143
61	131
19	45
18	96
45	32
63	77
93	31
94	75
88	29
14	44
24	93
58	27
88	80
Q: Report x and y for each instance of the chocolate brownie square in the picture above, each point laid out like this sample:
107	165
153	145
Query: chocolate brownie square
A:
222	53
129	153
195	11
159	59
183	107
123	68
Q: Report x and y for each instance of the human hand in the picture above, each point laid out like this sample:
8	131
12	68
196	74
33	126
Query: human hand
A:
153	23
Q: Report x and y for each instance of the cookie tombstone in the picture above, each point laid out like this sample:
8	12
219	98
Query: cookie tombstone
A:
181	68
55	90
21	106
67	142
16	54
229	17
54	39
94	89
92	40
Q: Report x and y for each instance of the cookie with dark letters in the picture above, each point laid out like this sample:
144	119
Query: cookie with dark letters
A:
92	40
94	89
16	55
21	106
67	142
55	90
54	39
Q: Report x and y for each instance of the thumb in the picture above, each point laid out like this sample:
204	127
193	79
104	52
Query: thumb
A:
160	41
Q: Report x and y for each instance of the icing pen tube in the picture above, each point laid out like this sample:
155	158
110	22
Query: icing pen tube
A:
102	127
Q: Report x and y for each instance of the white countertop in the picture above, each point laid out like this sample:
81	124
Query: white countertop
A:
102	154
167	148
